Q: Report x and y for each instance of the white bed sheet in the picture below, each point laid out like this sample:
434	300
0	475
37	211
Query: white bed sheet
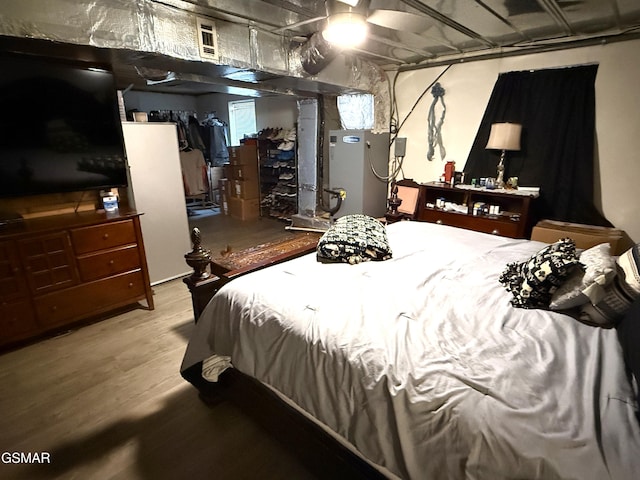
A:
421	363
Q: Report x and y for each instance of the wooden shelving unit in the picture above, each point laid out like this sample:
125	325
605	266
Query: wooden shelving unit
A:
514	219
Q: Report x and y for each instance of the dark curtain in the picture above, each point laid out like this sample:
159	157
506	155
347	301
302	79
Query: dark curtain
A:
556	108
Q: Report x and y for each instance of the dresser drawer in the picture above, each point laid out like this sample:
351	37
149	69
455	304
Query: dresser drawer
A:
90	299
13	284
495	226
109	262
49	262
17	321
100	237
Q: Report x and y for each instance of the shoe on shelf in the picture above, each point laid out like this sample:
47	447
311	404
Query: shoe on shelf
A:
280	135
290	135
274	134
286	146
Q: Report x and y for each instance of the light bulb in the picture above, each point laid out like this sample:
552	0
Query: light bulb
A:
345	29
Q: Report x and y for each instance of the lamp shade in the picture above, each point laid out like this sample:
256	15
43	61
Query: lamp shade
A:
505	136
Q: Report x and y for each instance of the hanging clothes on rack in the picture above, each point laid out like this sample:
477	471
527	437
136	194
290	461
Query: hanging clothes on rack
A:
216	139
193	134
183	140
194	172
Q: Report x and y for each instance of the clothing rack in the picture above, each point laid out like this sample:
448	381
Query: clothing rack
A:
191	138
170	115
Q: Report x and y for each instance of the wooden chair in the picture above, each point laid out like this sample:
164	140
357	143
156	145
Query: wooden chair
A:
408	191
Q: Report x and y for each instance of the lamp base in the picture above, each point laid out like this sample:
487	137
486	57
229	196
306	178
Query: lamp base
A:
500	179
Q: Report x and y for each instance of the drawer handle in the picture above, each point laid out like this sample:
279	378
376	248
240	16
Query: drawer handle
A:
130	284
105	236
439	222
111	262
496	232
54	308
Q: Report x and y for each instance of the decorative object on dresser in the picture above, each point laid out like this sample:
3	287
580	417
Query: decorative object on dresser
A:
504	136
58	270
501	212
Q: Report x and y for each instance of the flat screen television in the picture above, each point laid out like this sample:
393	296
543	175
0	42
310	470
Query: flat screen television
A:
59	128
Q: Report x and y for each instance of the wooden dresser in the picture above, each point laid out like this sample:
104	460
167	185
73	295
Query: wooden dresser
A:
58	270
514	219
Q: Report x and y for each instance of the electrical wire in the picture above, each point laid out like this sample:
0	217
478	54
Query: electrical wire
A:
394	122
426	90
396	166
75	209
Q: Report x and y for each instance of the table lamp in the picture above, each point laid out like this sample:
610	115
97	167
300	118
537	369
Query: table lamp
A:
504	136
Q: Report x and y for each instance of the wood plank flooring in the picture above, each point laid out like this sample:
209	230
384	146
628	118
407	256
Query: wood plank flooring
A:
220	232
107	402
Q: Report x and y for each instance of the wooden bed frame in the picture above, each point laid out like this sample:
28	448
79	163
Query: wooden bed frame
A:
317	449
313	446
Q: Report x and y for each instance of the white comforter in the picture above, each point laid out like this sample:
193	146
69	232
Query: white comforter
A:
421	363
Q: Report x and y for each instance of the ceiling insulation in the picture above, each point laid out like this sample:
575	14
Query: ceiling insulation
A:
265	47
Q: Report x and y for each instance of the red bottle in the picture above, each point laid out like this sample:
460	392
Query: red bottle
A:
449	171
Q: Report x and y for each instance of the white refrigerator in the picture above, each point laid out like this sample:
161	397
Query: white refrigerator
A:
156	191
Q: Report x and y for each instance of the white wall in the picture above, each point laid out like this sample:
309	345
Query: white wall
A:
468	87
272	111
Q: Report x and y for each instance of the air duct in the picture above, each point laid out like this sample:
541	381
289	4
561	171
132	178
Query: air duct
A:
316	54
165	36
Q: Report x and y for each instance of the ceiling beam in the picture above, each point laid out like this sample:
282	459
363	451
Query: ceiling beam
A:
433	13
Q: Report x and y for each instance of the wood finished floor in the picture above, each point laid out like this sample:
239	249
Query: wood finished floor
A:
106	401
220	232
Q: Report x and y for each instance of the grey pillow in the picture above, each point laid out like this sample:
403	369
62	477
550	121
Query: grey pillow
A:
588	283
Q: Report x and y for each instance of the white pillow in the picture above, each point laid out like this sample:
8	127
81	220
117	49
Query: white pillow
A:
619	294
588	284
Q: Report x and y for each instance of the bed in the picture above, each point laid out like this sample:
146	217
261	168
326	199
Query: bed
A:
421	364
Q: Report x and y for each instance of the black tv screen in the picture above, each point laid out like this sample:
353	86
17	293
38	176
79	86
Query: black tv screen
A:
59	128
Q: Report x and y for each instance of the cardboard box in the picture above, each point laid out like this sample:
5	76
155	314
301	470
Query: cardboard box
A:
244	172
585	236
244	154
223	186
244	209
246	189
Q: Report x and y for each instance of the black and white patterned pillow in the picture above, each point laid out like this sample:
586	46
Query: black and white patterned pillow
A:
533	282
354	239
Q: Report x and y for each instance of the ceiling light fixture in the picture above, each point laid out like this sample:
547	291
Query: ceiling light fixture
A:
346	23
